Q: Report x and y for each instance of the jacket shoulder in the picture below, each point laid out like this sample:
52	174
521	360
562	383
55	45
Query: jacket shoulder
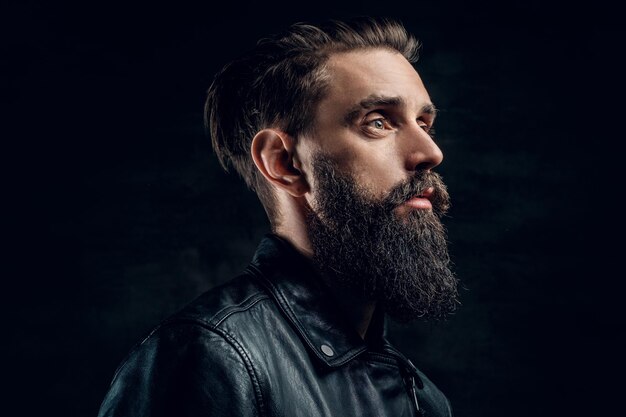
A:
218	304
188	364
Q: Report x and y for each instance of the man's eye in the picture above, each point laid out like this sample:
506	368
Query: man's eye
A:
428	129
377	124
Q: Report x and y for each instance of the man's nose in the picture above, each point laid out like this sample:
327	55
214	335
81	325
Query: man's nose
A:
422	153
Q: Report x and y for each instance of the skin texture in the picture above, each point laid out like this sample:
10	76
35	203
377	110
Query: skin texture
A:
380	143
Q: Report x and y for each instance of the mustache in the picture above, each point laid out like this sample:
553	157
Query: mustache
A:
416	185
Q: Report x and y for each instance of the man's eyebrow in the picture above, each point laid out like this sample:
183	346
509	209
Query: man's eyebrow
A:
375	100
429	108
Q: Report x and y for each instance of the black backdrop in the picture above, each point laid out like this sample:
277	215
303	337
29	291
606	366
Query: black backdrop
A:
122	215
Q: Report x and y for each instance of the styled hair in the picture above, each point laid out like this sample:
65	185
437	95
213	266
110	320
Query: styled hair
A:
279	83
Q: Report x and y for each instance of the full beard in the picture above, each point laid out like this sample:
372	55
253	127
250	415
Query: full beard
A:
362	245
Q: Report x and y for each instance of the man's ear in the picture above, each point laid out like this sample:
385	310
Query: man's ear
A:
273	154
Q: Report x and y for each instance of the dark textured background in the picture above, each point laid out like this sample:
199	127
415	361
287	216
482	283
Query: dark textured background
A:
120	214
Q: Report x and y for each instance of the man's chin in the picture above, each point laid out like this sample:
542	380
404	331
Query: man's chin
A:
390	250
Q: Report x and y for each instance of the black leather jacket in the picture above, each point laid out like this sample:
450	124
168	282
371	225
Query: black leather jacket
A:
269	343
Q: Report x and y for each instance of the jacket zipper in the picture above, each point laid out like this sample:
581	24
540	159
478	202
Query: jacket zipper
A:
410	381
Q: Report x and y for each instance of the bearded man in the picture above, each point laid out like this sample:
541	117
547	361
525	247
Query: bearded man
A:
332	127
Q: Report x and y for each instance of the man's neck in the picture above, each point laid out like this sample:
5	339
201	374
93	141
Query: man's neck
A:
360	315
358	312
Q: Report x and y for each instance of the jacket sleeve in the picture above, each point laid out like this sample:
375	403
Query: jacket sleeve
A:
184	369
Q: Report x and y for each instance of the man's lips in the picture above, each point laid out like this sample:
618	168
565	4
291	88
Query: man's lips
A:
422	201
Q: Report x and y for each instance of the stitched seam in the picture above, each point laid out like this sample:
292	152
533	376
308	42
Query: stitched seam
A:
249	367
240	308
252	373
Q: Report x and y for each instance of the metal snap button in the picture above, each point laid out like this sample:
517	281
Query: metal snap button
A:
327	350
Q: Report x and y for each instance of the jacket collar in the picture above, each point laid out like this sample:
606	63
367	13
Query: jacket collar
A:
309	306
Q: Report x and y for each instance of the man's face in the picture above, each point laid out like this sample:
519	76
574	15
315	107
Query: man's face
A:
374	204
374	120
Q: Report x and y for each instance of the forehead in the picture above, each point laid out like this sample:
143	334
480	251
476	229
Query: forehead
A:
356	75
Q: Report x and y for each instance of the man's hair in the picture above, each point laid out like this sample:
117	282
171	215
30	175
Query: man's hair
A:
279	83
